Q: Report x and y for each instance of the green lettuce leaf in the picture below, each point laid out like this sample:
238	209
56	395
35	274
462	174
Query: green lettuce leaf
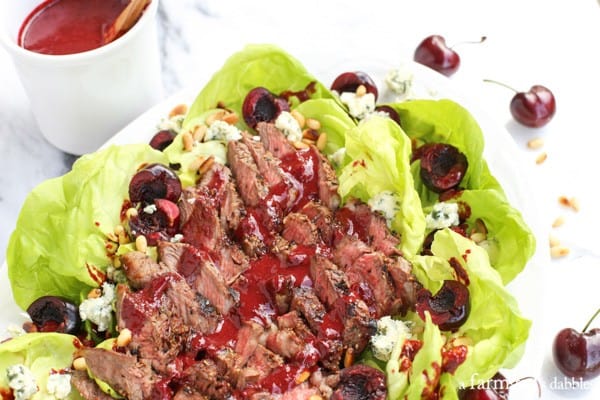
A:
60	238
255	65
380	154
445	121
42	353
495	327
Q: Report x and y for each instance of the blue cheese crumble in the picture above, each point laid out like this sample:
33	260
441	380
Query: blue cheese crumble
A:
171	124
443	215
59	385
22	381
387	203
221	130
389	333
337	158
358	106
99	310
289	126
400	80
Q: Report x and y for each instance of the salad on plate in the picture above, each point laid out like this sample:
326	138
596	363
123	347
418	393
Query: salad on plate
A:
281	238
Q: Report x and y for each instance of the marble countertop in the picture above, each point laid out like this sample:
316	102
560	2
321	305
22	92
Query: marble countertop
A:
553	43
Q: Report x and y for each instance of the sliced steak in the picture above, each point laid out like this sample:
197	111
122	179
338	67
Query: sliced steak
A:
210	283
203	229
204	380
359	326
328	184
130	378
348	249
306	302
369	274
140	268
274	141
293	340
405	284
322	218
250	183
328	280
219	181
87	388
299	229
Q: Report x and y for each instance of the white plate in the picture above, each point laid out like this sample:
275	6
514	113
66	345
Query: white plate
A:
500	151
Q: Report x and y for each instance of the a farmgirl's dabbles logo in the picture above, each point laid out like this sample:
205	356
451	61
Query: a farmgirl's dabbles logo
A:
498	385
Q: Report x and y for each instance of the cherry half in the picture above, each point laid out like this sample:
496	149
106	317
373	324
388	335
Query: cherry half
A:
577	354
261	105
350	81
534	108
449	307
443	166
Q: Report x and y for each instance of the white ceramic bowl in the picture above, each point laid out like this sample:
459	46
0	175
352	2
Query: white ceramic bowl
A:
80	100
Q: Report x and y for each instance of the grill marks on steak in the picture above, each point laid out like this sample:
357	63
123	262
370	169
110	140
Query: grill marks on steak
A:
271	278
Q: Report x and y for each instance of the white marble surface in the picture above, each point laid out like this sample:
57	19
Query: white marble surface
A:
549	42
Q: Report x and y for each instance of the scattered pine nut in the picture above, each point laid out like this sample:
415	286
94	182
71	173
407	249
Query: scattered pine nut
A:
322	141
303	376
553	241
300	145
559	251
480	226
349	358
180	109
216	116
558	222
117	262
112	237
141	244
315	397
478	237
124	337
206	165
575	204
299	118
94	293
308	141
536	143
131	212
312	123
361	90
231	118
198	132
311	134
541	158
188	141
571	202
195	164
79	364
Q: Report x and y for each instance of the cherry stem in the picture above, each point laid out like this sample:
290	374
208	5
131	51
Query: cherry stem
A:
590	321
481	40
501	84
526	379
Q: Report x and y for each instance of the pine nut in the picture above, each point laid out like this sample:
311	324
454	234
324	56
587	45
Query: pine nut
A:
361	90
79	364
180	109
299	118
188	141
312	123
480	226
574	203
535	143
198	132
195	164
124	337
94	293
559	251
541	158
303	376
231	118
206	165
141	244
322	141
349	358
315	397
131	212
300	145
112	237
310	134
558	222
478	237
553	241
216	116
117	262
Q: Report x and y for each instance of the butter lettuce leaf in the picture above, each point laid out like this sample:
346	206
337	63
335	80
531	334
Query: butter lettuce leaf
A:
496	330
42	353
379	154
59	244
256	65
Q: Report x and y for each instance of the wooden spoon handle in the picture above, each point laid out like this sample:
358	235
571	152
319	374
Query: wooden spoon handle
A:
125	20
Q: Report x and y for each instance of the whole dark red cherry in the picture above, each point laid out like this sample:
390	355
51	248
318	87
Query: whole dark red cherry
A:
260	105
350	81
54	314
434	53
154	181
360	382
449	307
443	166
534	108
577	354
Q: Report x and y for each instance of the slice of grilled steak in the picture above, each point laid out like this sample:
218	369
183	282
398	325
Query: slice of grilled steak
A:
274	141
87	388
204	380
250	183
140	268
299	229
328	184
124	373
322	217
307	304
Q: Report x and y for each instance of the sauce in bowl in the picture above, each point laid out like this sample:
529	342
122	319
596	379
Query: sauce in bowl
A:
61	27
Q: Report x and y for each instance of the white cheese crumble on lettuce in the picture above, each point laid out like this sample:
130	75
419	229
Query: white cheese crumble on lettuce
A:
337	158
59	385
358	106
387	203
221	130
171	124
390	332
443	215
289	126
22	381
99	310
